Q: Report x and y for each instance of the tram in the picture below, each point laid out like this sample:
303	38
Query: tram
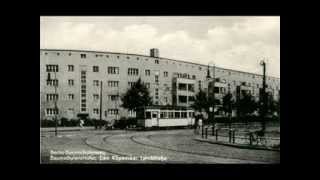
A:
165	116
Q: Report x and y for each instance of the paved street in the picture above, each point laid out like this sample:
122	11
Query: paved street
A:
176	146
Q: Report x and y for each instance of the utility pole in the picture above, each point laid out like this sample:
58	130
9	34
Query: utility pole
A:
264	103
100	104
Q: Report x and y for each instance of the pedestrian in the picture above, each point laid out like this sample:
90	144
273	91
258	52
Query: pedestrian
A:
81	123
200	124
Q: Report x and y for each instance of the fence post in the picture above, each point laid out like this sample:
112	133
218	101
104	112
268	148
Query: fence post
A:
213	130
216	134
234	136
206	133
250	137
230	135
202	134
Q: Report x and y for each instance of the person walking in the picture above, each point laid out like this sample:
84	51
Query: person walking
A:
200	124
81	123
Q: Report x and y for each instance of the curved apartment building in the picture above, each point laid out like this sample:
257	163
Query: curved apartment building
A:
75	79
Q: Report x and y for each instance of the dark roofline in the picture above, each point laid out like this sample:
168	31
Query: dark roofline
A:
88	51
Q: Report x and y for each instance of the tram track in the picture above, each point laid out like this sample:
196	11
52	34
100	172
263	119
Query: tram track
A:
102	149
134	139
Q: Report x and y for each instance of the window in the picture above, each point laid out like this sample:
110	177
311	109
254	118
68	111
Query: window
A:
183	114
95	97
113	111
133	71
182	99
51	97
148	115
147	72
130	84
52	68
95	68
113	83
70	96
113	70
156	61
191	98
83	56
113	97
193	76
177	114
156	78
70	82
170	115
53	82
163	115
51	111
95	82
165	74
191	87
95	111
156	92
182	87
132	113
70	68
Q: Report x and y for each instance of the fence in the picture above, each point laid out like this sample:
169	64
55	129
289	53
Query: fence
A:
242	134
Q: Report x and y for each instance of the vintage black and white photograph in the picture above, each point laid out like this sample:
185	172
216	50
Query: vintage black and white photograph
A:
160	89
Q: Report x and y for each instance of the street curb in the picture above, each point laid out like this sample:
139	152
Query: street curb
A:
236	146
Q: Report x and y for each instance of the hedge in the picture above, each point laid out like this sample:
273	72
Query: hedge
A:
64	122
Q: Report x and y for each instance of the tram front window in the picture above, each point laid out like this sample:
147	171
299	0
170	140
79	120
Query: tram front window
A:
154	115
148	115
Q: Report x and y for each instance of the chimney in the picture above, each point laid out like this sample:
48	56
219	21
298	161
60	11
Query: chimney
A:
154	52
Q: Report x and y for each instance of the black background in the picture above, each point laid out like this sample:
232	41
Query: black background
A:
21	79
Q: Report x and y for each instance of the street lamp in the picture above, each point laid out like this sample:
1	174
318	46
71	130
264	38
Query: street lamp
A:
263	64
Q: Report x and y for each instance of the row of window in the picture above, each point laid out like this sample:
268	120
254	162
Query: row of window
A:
51	97
111	70
95	83
106	113
52	111
133	71
185	75
171	115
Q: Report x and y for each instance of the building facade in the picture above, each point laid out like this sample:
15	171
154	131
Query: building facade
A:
76	79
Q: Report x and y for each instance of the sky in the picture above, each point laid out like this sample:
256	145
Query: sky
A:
233	42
